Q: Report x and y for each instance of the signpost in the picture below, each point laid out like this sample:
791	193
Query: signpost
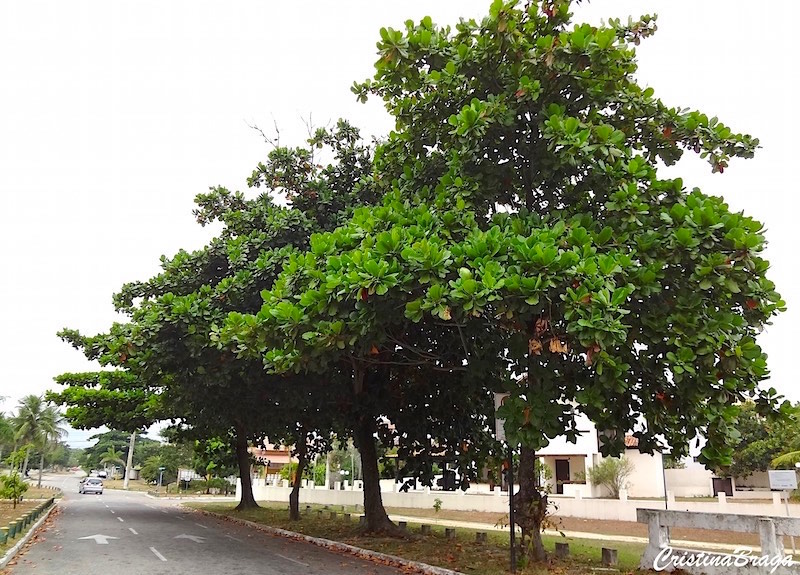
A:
500	433
784	480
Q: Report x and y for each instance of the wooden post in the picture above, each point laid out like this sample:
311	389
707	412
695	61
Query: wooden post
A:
562	550
347	517
609	557
449	533
362	520
403	525
425	529
513	543
333	514
480	537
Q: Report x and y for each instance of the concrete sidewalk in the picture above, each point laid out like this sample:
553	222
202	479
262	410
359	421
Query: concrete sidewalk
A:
569	534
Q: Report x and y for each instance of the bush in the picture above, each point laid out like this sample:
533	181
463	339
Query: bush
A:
612	473
13	487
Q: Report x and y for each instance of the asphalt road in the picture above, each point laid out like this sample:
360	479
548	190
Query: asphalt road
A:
130	533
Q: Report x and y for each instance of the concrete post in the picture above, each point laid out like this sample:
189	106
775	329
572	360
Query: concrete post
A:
721	498
771	544
609	557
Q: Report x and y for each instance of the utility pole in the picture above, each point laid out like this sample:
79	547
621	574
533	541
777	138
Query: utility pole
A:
129	465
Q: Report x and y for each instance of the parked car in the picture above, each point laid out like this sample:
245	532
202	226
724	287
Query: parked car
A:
91	485
102	474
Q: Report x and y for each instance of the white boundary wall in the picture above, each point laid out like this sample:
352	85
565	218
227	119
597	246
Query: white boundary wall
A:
610	509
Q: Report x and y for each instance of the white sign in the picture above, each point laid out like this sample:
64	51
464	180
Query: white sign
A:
782	480
499	424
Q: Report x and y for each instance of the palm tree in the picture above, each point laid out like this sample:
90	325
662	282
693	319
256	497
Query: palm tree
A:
51	430
37	424
112	456
26	423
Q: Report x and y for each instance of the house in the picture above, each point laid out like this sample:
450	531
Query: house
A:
569	465
273	457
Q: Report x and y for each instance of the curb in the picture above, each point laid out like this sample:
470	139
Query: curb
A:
11	553
375	556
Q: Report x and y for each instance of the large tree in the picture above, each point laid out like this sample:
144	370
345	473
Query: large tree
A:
169	341
526	213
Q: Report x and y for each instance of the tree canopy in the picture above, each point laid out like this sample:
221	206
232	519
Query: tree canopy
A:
512	233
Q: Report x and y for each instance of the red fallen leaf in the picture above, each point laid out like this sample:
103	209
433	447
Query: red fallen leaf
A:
364	294
751	304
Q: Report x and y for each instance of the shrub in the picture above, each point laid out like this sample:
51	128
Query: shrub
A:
612	473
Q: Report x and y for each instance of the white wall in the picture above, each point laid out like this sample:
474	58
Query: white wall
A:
690	482
647	479
757	480
585	445
567	506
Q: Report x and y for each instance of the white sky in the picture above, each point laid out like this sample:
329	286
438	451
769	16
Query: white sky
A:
114	115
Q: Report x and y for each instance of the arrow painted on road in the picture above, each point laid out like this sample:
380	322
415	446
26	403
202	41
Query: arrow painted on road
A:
100	539
194	538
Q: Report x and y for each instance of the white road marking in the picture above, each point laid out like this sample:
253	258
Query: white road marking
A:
163	511
121	519
292	560
99	539
234	538
157	554
195	538
132	530
112	511
203	526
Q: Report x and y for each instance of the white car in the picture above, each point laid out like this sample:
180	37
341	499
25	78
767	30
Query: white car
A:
91	485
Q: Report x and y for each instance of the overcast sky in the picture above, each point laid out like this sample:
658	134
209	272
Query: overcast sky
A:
114	115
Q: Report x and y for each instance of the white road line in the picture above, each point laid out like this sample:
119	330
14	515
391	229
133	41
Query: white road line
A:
112	511
157	554
203	526
234	538
121	519
162	511
132	530
292	560
181	518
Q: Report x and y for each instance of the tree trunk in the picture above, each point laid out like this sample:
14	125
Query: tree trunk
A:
530	506
294	496
129	463
41	466
25	464
377	519
243	458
